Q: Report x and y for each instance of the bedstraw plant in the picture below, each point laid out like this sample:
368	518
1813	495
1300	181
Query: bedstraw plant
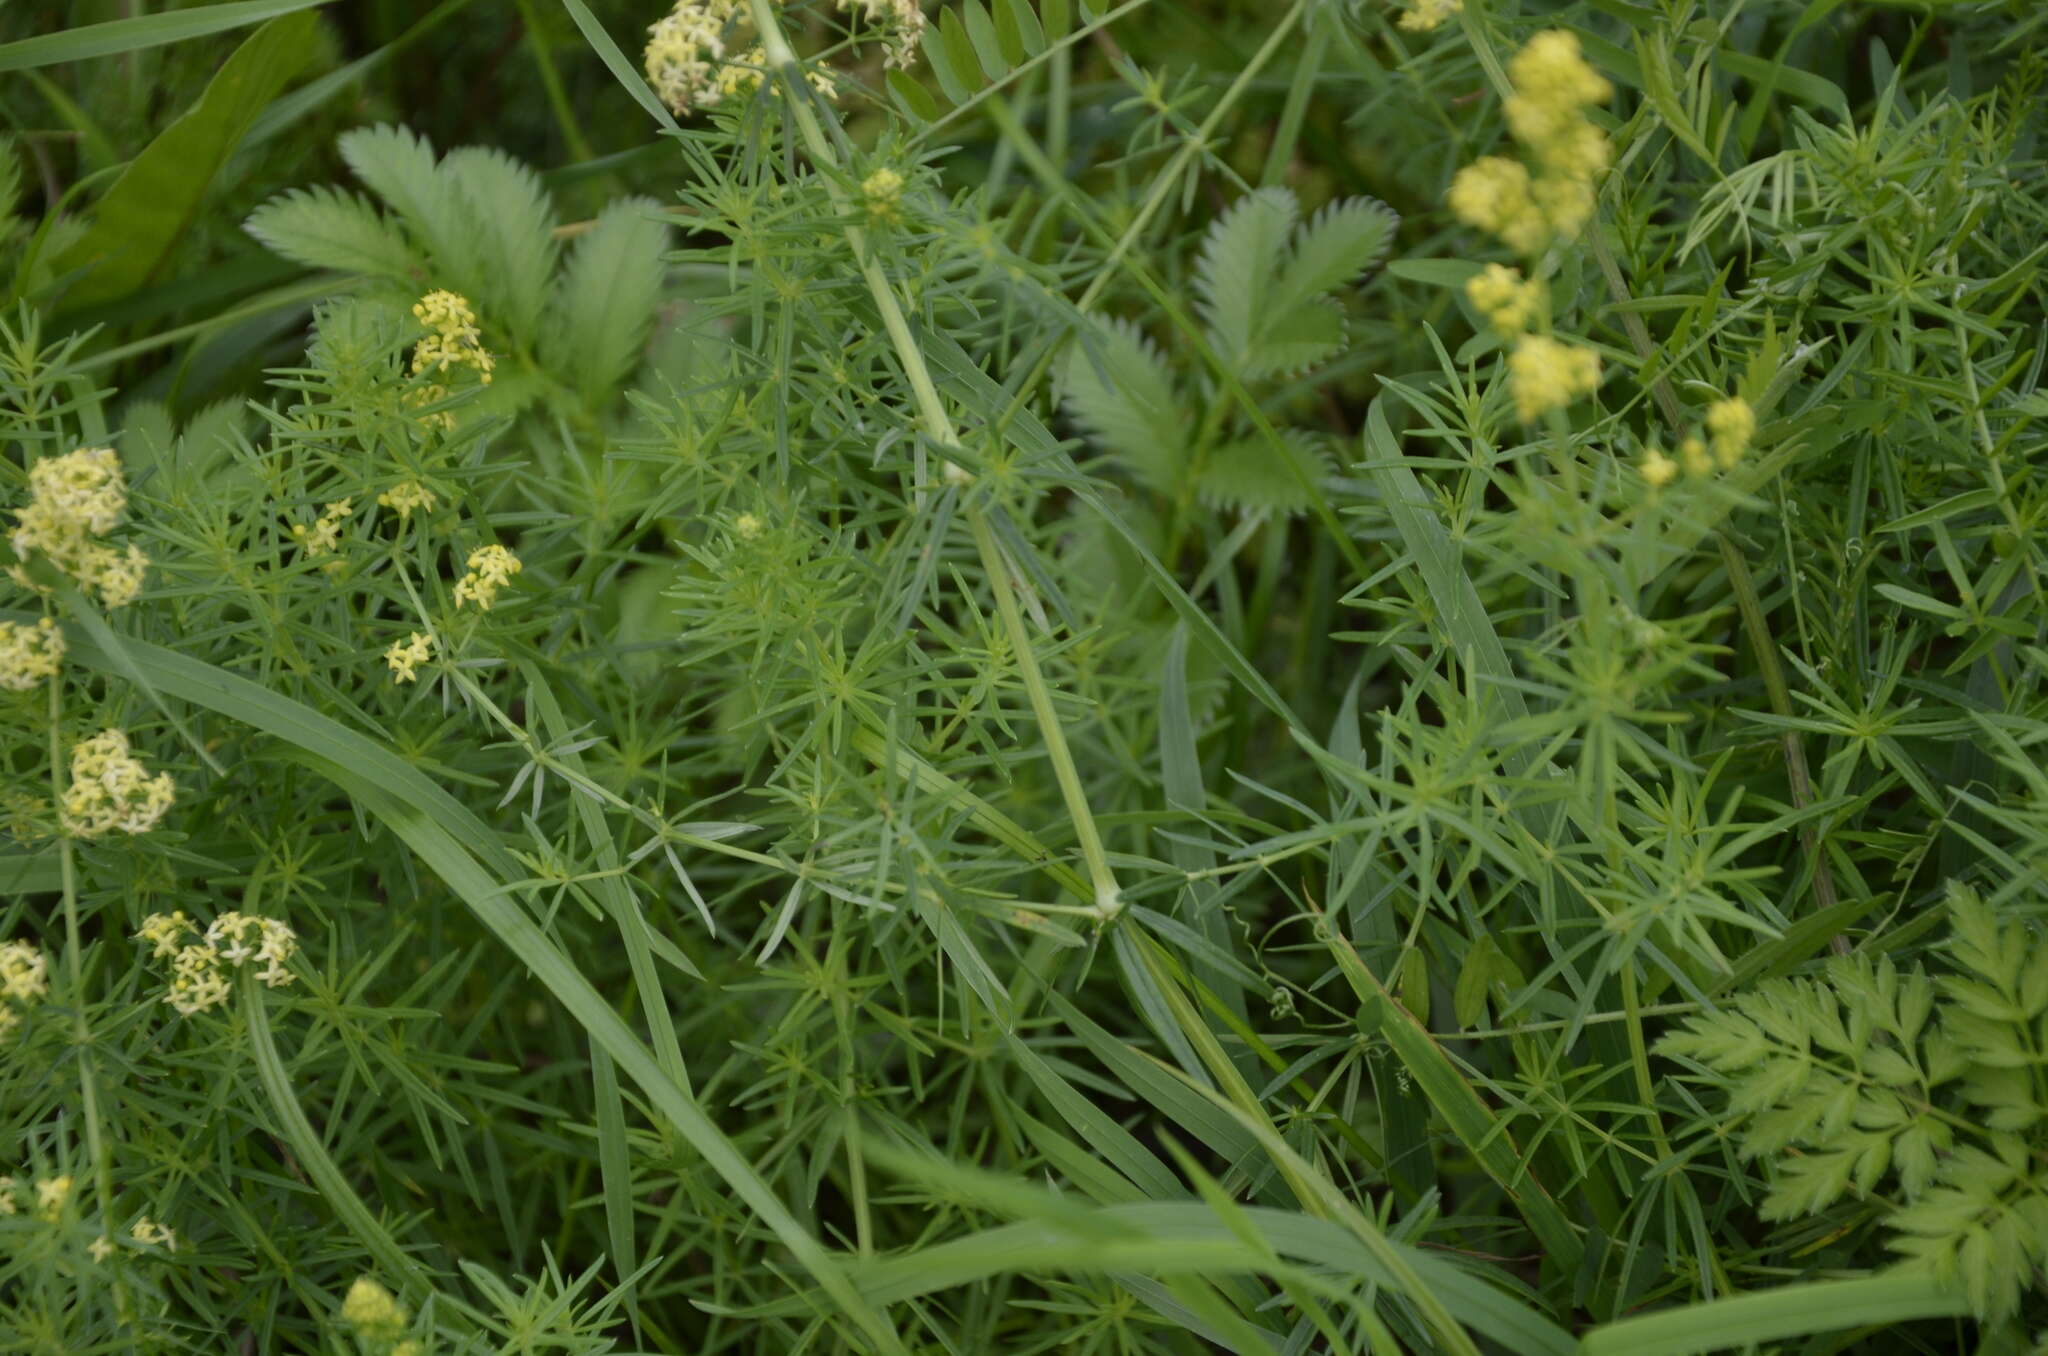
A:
1011	677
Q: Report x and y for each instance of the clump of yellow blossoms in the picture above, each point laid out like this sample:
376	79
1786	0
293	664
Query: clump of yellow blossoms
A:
455	341
405	656
52	1194
490	569
373	1311
1509	304
406	496
74	500
1549	375
29	654
883	193
687	63
199	969
325	534
1423	15
24	978
1553	87
148	1231
110	789
1731	423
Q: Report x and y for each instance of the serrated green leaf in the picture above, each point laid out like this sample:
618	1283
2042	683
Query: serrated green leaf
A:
1335	246
1117	385
329	228
512	224
606	301
1245	476
400	168
1233	276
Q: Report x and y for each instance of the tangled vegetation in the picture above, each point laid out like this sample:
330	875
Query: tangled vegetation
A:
1362	676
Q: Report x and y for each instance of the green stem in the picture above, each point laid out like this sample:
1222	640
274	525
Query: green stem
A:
74	974
939	426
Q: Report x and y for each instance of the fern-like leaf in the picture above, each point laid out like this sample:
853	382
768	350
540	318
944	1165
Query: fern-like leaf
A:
606	301
1118	388
328	228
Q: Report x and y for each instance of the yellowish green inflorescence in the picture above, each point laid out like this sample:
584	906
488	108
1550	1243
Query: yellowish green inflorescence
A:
199	979
74	501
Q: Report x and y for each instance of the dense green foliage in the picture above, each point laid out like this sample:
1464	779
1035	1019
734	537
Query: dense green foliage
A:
1023	708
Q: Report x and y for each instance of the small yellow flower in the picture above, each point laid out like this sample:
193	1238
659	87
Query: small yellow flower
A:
747	527
325	533
52	1194
1493	194
29	654
490	569
197	981
8	1203
1731	424
455	341
165	933
405	656
1658	470
1508	303
883	192
111	790
1692	454
406	496
148	1231
1424	15
73	500
1549	375
101	1248
24	974
1550	71
373	1311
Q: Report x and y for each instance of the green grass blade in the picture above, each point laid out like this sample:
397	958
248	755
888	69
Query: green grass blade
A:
157	199
148	30
1871	1303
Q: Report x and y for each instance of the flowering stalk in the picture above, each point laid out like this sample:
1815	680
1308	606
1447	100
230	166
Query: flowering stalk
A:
88	1086
1108	900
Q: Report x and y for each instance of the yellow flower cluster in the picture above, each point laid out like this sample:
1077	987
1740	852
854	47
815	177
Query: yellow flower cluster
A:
687	58
901	23
199	969
1547	114
1547	374
325	534
407	496
52	1194
373	1311
1731	423
454	342
1509	304
24	978
148	1231
883	193
1423	15
405	656
490	569
29	654
111	790
74	500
